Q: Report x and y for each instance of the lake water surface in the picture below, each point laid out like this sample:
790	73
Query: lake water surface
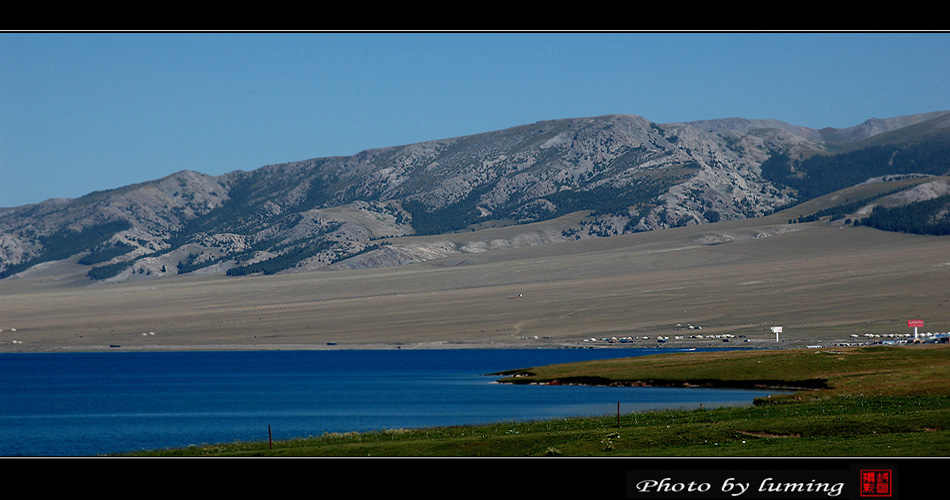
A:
82	404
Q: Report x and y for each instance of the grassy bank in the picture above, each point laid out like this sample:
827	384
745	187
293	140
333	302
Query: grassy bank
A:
865	401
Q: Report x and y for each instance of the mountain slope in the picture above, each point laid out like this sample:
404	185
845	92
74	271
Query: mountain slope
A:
623	172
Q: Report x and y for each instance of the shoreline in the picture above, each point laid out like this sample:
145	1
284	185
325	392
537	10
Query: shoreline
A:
410	345
313	347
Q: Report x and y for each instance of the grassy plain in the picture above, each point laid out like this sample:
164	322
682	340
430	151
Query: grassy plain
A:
820	281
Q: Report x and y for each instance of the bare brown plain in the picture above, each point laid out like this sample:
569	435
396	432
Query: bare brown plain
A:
821	282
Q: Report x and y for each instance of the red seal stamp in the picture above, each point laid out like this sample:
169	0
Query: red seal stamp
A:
877	483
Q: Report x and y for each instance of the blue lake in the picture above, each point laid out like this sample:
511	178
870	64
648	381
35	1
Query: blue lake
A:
82	404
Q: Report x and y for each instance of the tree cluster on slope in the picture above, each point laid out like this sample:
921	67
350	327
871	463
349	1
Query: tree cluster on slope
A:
922	217
823	174
65	243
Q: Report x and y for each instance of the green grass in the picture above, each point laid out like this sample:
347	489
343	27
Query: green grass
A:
875	401
877	370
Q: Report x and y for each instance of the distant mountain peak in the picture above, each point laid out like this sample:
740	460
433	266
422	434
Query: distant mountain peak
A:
624	172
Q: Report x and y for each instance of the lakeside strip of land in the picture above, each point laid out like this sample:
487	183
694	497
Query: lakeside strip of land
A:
752	344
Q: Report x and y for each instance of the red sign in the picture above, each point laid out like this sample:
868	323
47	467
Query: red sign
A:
911	323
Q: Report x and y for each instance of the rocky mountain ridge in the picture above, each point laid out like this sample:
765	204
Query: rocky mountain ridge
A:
625	173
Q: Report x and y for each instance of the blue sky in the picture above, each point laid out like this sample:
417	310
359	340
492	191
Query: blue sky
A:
89	111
